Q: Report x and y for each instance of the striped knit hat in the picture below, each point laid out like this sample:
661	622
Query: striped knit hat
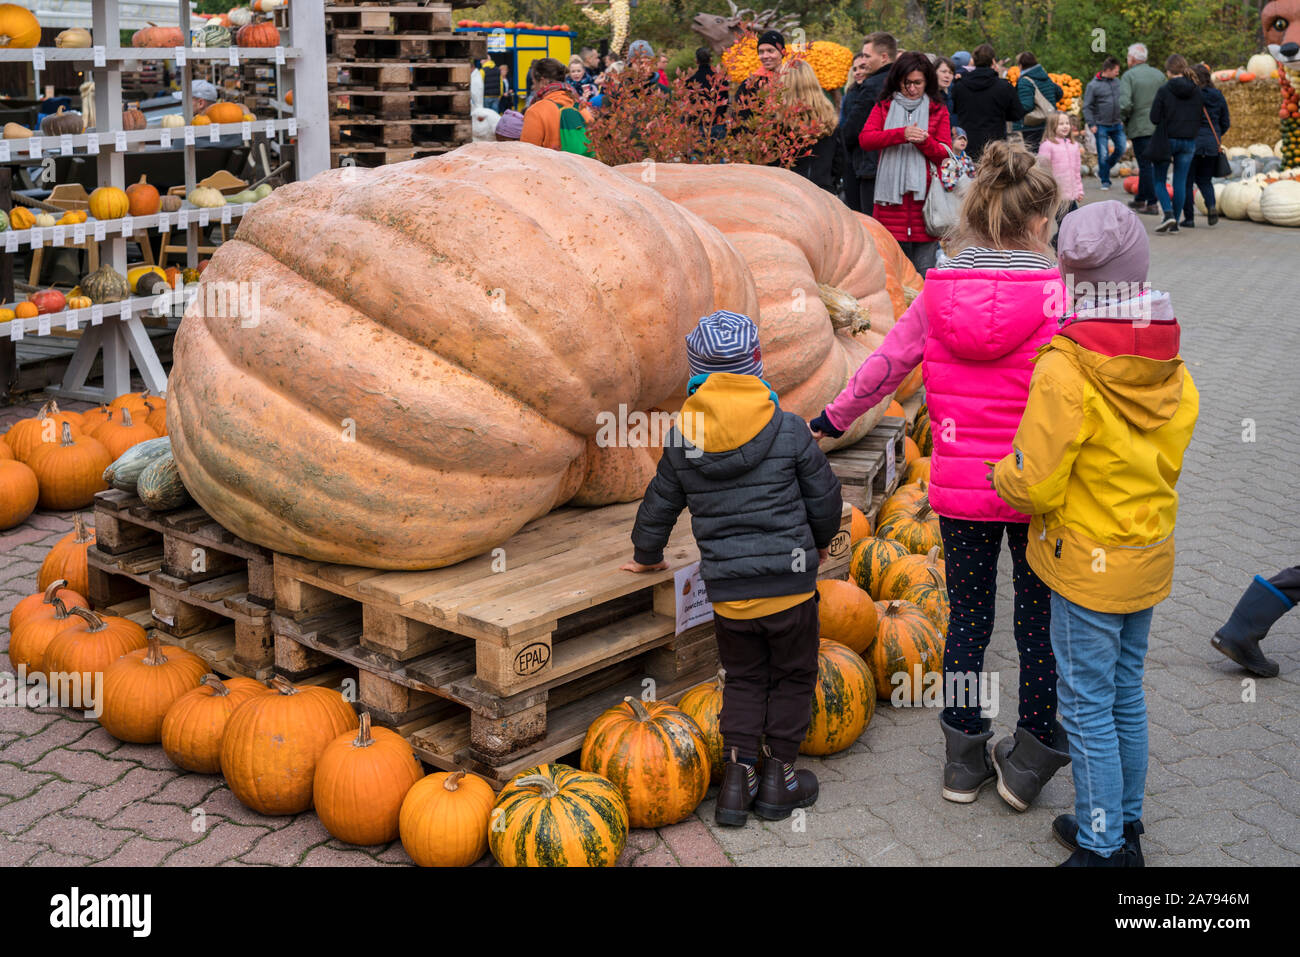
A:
725	342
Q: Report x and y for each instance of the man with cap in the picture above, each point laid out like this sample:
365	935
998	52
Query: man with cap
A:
771	54
641	55
202	95
765	507
1094	462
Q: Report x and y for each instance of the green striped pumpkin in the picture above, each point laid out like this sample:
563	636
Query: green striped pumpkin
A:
931	596
871	557
556	816
916	528
703	704
843	700
921	433
656	757
902	573
905	637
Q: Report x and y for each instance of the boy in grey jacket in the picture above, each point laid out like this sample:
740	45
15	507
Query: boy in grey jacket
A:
764	507
1101	111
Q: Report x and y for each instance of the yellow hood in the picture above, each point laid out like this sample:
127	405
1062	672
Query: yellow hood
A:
1145	391
726	411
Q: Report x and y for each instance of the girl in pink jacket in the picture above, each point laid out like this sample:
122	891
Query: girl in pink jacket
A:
978	324
1062	156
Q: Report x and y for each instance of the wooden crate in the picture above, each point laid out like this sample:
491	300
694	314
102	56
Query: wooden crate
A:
423	133
198	576
871	468
387	75
395	18
357	104
431	47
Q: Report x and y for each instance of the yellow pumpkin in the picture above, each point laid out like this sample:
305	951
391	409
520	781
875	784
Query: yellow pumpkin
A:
224	113
20	217
200	120
19	28
109	202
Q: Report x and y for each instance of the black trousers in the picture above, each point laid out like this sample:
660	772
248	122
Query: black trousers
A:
1287	581
1200	174
1146	172
771	665
867	195
852	191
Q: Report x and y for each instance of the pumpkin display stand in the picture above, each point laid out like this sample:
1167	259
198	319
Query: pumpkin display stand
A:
495	669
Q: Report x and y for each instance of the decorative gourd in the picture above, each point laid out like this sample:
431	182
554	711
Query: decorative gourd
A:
142	200
206	196
156	36
142	685
45	219
28	642
444	819
72	217
240	16
109	202
870	559
272	743
213	35
1279	203
70	471
19	493
907	517
20	217
91	645
79	302
261	34
45	426
16	131
65	122
171	204
125	470
121	435
905	637
74	38
172	121
48	300
931	596
703	705
194	725
537	448
847	614
859	527
106	284
200	120
361	780
160	486
1245	76
556	816
901	574
133	120
655	755
844	699
41	603
135	273
26	310
19	28
224	113
918	471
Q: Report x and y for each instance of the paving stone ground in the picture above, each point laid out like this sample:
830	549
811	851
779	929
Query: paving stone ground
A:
1223	784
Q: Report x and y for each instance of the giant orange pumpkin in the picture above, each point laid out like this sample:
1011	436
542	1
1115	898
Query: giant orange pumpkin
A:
655	756
67	559
142	685
360	783
472	409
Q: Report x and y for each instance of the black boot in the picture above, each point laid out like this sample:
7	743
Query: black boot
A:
781	788
967	767
1024	764
1256	611
1066	831
1086	858
736	796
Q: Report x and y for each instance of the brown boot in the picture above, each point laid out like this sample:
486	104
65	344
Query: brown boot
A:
736	796
781	788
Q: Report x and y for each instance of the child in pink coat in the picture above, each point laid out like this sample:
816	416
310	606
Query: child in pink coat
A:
978	324
1063	156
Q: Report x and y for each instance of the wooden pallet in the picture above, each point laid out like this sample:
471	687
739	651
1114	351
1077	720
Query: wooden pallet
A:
425	132
198	576
369	47
372	156
389	19
355	103
870	469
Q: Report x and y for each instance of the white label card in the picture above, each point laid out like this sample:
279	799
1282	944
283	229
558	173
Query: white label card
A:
128	225
293	126
225	214
270	128
100	59
165	139
99	231
38	59
164	221
214	132
92	144
119	141
205	216
34	146
234	56
38	236
183	219
43	325
58	234
246	130
96	315
124	308
79	233
693	605
279	54
65	145
179	54
189	136
4	151
11	242
71	324
15	329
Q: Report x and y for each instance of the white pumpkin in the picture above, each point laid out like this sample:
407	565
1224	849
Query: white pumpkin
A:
1277	149
206	196
1234	197
1252	203
1199	201
1279	203
172	120
44	219
240	16
1262	65
74	38
1260	151
1236	152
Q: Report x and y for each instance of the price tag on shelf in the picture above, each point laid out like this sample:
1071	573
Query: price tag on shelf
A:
214	132
58	234
4	151
183	219
38	59
225	214
246	130
205	216
279	54
15	329
71	324
164	221
233	59
124	309
38	236
43	325
34	146
165	139
11	242
119	141
128	226
189	136
178	53
99	56
270	128
96	315
79	233
99	231
65	145
92	144
293	126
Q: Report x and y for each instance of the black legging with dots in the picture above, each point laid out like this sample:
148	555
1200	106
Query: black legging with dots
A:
970	551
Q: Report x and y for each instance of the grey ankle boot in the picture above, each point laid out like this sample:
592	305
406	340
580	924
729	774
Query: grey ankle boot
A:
1024	764
967	768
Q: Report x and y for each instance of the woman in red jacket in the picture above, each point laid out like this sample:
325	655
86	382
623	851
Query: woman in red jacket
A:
909	126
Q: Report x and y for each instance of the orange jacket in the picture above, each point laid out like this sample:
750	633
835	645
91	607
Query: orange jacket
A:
542	119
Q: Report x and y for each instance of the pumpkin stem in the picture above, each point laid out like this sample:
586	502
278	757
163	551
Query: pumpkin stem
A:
924	511
142	183
541	782
363	738
66	438
154	656
81	534
283	685
60	609
722	678
452	781
96	623
638	709
932	557
54	587
846	312
219	689
126	419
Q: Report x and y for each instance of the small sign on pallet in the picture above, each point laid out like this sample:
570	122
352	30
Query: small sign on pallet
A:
693	605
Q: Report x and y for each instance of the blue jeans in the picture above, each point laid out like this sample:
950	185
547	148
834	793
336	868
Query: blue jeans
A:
1114	131
1183	151
1103	709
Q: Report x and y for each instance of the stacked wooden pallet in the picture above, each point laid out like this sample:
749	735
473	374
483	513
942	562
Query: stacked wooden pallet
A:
399	82
871	469
502	661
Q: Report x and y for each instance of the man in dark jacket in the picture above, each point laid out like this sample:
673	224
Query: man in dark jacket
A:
984	102
1102	115
764	508
850	191
880	50
1034	77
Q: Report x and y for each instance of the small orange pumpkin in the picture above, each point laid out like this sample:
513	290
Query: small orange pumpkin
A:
860	526
195	724
847	614
902	573
25	436
844	700
445	818
90	646
19	493
28	643
142	685
361	781
703	704
67	559
905	639
72	471
143	198
117	437
225	112
41	604
157	417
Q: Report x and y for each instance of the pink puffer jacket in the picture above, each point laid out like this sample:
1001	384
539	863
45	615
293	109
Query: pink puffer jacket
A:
978	331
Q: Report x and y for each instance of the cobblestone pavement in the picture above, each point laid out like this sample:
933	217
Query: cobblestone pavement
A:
1222	787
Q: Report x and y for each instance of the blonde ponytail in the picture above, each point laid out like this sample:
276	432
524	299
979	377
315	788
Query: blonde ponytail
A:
1009	193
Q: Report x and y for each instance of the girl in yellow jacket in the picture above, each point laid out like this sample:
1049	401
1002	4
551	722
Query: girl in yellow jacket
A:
1094	463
